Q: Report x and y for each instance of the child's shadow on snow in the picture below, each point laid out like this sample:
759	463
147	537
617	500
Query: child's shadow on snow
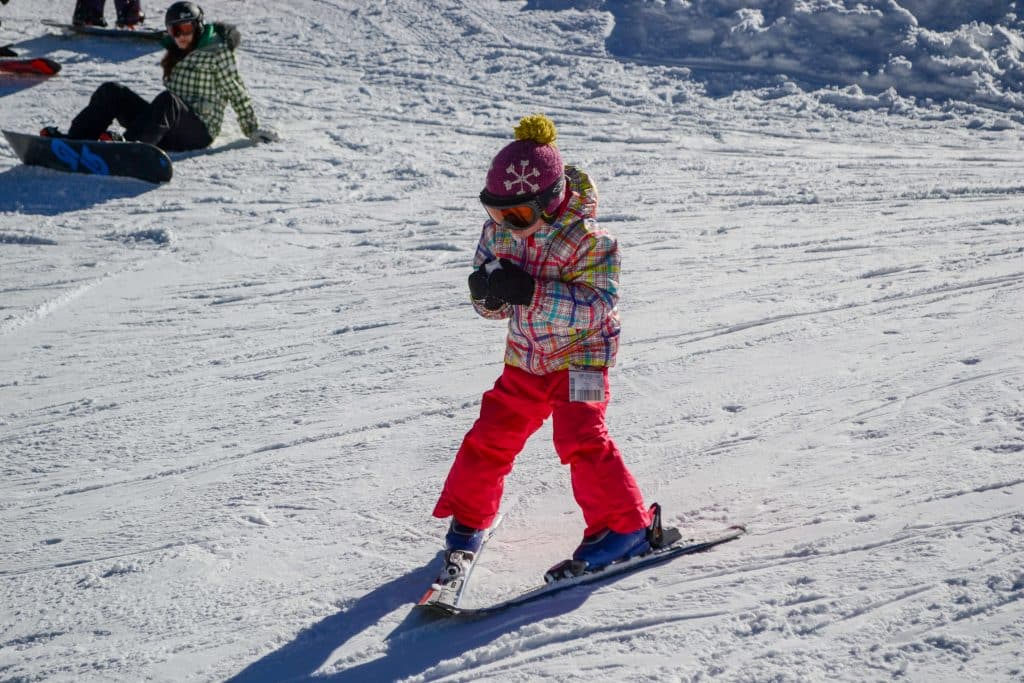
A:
420	642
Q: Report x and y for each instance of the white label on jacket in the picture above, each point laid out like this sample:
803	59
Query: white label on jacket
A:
586	385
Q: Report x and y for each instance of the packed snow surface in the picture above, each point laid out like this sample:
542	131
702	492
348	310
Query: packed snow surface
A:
228	403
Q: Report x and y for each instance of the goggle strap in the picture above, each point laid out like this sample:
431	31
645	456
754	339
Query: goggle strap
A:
542	199
548	217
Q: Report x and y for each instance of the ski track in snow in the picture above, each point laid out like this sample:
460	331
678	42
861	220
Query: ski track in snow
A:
227	404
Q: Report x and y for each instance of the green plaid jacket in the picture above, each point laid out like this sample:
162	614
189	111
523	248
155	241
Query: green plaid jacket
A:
572	320
207	80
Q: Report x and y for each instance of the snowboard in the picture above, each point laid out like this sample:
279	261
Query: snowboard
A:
131	159
29	66
137	33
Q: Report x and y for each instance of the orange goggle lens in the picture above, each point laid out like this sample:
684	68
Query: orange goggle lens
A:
177	30
517	217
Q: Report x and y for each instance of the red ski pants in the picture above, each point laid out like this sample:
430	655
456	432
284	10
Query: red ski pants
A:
509	413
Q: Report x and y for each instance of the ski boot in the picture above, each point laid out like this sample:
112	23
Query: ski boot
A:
609	547
462	543
463	538
88	20
130	22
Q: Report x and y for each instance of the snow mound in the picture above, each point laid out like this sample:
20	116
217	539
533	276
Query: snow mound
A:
955	50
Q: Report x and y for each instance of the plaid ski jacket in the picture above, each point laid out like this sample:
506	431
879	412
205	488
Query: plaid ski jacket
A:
207	80
572	320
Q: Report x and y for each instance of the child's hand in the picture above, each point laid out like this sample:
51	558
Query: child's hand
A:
512	284
480	289
478	284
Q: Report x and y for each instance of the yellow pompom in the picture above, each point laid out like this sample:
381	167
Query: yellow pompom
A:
538	128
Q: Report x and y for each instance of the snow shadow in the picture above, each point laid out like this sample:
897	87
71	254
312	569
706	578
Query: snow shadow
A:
42	192
101	47
419	643
242	143
10	84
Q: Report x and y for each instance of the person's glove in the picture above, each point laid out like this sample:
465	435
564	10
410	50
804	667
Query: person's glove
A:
479	289
478	284
265	135
511	284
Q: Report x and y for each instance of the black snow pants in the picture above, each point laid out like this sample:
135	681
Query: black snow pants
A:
166	122
91	11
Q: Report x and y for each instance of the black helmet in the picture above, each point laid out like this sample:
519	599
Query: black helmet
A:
184	12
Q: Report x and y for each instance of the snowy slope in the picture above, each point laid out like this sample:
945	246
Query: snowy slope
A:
227	404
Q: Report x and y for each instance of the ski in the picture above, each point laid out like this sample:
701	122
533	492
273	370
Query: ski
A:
668	552
25	66
447	590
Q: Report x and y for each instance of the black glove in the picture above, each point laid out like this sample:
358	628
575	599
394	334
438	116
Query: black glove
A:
493	303
478	284
480	290
512	284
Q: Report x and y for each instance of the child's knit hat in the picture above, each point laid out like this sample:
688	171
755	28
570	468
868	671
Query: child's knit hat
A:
530	165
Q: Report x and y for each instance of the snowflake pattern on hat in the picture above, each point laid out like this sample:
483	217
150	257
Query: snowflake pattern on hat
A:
522	178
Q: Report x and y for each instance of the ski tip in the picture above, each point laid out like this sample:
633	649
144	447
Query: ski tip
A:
429	594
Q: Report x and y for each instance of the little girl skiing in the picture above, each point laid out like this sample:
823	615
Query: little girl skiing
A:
544	264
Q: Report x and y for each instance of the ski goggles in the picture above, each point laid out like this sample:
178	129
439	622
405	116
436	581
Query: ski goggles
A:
185	28
516	213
